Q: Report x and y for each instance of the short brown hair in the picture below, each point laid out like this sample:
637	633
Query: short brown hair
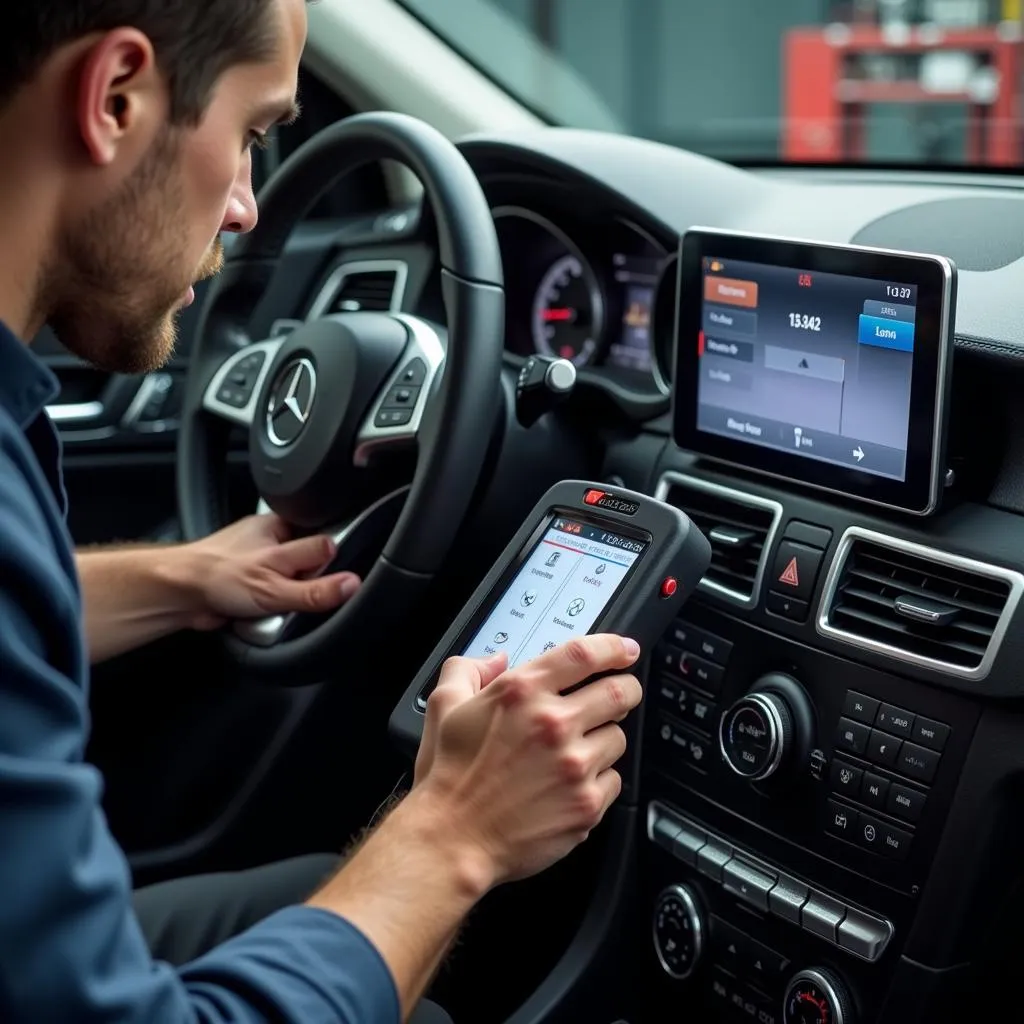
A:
195	42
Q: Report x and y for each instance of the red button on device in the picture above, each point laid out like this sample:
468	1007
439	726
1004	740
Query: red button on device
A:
669	586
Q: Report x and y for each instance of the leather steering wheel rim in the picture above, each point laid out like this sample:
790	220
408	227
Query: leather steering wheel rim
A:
452	450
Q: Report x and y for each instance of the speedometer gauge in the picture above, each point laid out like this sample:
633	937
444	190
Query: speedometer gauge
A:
568	312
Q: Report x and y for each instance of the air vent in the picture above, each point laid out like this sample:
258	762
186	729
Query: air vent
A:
917	604
375	286
739	526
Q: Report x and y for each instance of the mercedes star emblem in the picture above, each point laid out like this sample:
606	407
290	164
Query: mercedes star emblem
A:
291	402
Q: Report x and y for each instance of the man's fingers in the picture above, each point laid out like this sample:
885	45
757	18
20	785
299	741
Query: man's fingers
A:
465	677
303	556
582	657
323	594
603	748
605	700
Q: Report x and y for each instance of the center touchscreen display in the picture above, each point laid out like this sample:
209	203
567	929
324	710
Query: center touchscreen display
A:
817	364
559	591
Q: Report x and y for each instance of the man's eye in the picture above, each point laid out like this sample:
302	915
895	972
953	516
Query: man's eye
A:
258	139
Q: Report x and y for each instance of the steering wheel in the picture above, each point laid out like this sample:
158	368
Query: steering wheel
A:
329	405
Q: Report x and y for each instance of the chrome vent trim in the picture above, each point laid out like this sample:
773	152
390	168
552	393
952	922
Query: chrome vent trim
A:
736	597
1013	579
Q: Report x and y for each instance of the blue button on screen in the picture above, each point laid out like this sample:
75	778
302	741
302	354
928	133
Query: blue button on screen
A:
882	332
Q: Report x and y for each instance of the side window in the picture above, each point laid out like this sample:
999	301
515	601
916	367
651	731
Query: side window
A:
360	192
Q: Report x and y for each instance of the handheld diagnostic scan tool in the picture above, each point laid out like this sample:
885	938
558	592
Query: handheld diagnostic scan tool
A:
588	559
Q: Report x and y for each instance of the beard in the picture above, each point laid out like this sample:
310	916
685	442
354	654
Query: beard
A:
112	292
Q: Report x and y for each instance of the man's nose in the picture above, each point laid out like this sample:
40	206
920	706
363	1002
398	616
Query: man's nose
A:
241	215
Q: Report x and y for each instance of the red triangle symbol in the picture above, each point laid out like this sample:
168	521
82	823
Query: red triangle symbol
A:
791	574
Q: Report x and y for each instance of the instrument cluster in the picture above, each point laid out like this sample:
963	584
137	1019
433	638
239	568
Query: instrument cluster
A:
588	292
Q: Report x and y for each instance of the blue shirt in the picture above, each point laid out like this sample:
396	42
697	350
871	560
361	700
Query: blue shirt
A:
70	946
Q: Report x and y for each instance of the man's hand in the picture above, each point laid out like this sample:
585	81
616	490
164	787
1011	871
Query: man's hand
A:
523	772
511	776
254	568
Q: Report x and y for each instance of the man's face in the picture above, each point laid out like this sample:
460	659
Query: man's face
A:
125	266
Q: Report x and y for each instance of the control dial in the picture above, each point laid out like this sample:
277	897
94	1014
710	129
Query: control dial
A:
767	729
816	996
678	931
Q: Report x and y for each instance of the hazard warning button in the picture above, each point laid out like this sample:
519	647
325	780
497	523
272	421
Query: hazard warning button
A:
795	570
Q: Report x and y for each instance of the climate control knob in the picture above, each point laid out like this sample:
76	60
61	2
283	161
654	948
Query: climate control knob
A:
767	729
817	996
678	931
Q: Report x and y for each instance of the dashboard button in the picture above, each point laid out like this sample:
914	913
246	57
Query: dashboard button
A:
664	831
905	803
883	748
787	898
874	791
852	736
747	882
731	945
895	720
869	833
795	570
698	641
866	936
806	533
841	820
846	778
700	672
696	710
860	708
930	734
687	844
822	915
668	691
895	842
712	858
787	607
918	762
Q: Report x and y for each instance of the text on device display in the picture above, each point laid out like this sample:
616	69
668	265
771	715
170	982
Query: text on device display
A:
815	363
559	591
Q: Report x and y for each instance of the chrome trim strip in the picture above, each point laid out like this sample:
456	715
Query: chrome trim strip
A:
994	572
332	286
741	498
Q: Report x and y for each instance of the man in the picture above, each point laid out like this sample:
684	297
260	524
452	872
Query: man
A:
129	125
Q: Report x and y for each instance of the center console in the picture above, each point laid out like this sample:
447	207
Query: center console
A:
809	715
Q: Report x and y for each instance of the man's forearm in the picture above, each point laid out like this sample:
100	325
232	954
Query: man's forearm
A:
133	596
408	890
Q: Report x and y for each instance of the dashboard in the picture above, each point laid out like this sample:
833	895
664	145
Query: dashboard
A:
822	797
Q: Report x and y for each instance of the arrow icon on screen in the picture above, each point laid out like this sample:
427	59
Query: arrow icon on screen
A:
858	453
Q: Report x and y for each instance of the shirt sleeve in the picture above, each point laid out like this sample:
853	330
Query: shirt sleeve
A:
70	946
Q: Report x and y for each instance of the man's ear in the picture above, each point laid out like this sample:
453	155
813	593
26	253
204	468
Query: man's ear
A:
120	94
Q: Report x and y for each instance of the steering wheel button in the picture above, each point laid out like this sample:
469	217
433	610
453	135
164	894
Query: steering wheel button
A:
401	398
393	417
414	374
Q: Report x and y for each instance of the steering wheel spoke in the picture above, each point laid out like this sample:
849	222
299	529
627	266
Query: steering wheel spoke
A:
396	412
236	386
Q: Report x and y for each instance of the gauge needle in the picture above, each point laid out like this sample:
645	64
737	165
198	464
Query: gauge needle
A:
559	315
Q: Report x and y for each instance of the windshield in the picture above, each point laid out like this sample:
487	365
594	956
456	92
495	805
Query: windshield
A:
771	81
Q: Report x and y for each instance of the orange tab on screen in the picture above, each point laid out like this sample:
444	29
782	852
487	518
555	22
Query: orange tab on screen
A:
730	291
